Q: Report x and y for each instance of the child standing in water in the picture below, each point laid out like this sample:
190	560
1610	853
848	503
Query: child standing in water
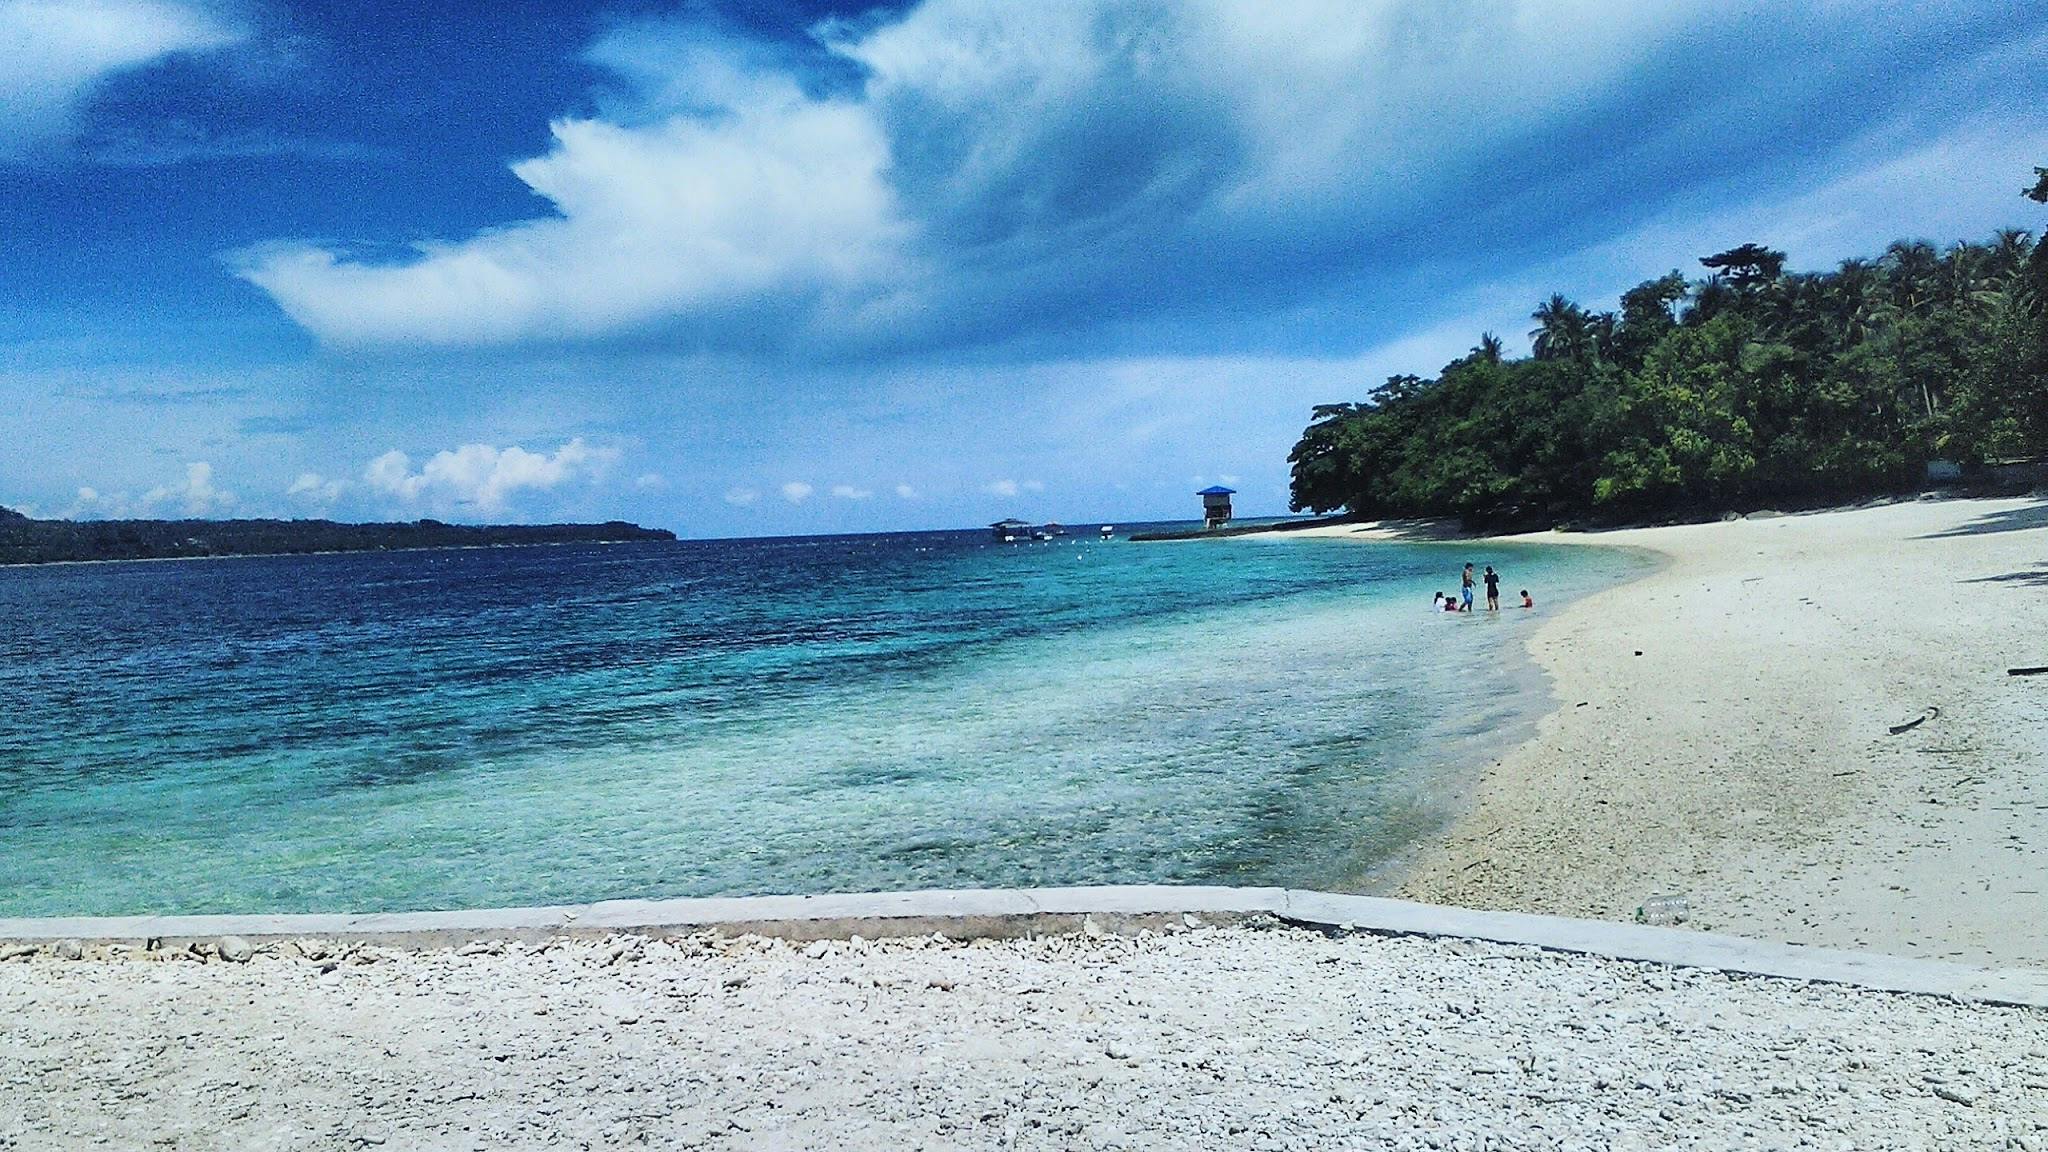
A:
1465	590
1492	589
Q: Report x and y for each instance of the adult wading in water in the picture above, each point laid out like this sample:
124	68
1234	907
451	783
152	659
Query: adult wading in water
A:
1465	590
1492	589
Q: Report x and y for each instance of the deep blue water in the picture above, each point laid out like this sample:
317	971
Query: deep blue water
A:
513	726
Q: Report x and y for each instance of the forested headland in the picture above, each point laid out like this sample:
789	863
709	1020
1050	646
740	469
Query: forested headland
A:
1746	386
27	541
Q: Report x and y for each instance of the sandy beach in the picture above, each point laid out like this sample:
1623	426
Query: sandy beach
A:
1240	1037
1722	731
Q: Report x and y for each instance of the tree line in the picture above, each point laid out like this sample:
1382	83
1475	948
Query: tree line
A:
27	541
1744	386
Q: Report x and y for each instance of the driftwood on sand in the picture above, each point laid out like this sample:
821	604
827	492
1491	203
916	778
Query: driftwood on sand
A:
1909	725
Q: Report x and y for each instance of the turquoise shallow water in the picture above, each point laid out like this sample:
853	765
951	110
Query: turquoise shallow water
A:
516	726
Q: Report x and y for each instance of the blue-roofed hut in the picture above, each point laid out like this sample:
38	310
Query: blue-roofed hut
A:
1216	505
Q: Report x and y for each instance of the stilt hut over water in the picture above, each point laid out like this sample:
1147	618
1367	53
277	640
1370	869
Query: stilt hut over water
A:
1216	506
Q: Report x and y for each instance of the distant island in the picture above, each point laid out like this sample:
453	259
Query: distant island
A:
28	541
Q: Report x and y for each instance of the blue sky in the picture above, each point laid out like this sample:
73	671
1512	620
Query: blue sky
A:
751	267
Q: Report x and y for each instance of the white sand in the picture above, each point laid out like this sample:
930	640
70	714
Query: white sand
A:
1743	759
1213	1038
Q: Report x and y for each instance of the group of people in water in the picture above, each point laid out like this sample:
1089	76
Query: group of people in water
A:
1463	603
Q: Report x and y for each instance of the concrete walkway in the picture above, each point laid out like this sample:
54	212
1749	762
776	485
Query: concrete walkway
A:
1009	912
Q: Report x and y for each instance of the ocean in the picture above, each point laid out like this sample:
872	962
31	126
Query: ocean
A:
474	728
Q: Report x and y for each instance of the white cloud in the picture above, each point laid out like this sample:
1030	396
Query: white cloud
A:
796	491
392	474
906	492
650	482
1314	97
772	193
741	497
91	504
485	476
731	186
196	495
849	492
54	53
313	488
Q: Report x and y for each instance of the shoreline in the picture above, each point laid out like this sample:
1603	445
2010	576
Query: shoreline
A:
1722	731
1532	696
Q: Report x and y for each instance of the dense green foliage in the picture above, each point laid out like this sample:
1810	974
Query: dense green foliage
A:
1749	386
26	541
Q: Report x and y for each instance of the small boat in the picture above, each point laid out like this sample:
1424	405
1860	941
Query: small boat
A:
1108	531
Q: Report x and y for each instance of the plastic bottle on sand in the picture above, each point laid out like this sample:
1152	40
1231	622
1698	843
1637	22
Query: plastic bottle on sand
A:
1662	910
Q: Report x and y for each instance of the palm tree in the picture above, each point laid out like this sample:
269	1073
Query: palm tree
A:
1790	303
2009	250
1961	271
1852	298
1600	334
1712	298
1563	330
1488	348
1910	269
